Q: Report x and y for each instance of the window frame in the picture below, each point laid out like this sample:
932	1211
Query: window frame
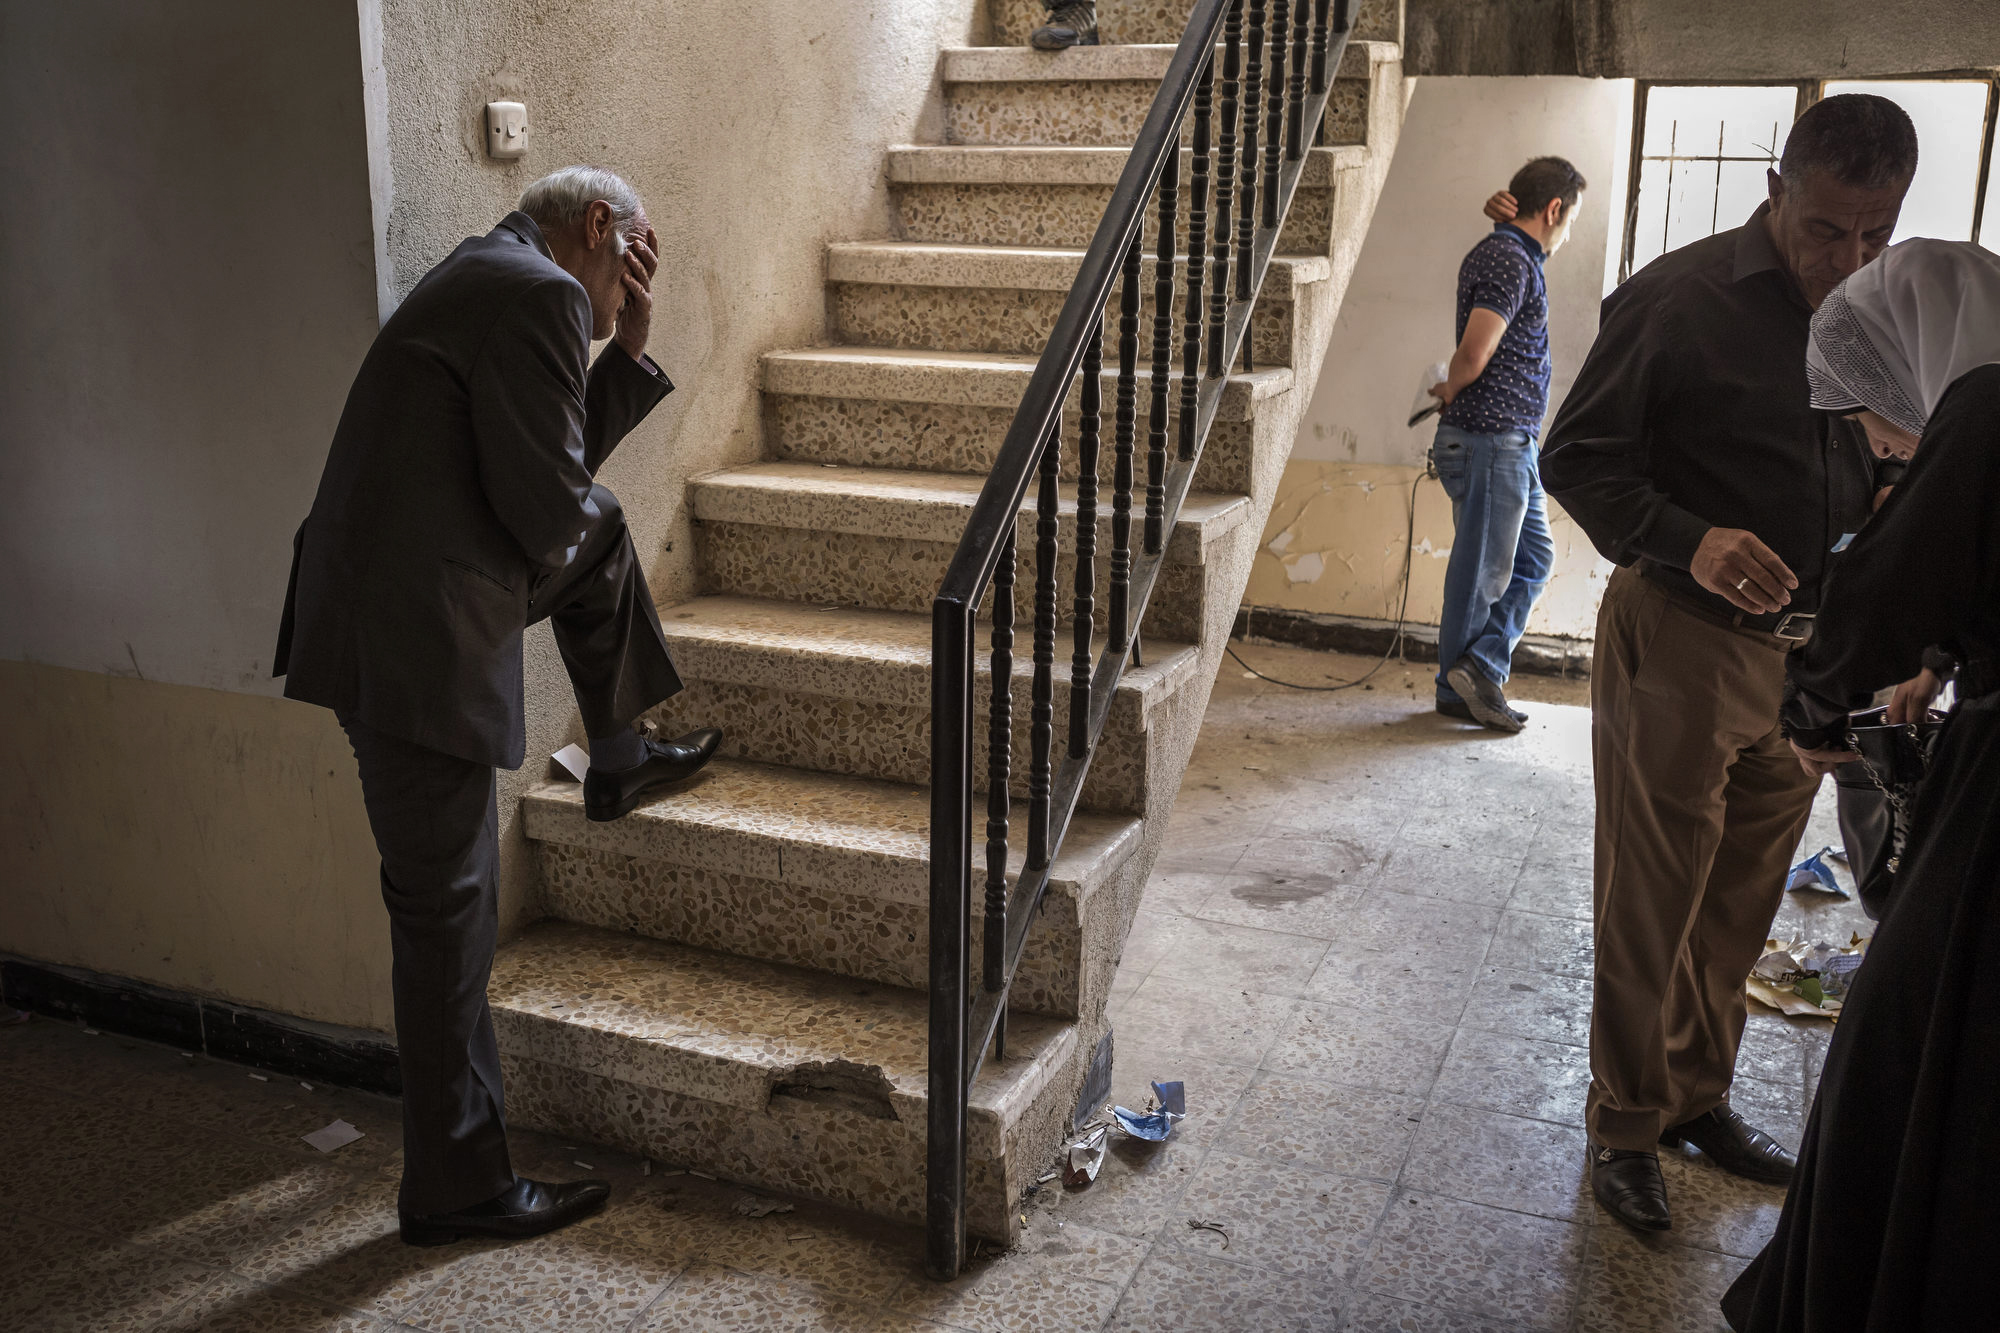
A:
1808	92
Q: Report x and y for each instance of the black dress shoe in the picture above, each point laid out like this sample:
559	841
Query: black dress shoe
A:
607	795
1071	23
527	1208
1736	1146
1455	708
1629	1186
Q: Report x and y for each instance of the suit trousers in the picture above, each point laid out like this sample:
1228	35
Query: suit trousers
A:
436	825
1700	805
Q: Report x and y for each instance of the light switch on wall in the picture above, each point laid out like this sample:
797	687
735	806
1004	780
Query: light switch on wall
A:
506	130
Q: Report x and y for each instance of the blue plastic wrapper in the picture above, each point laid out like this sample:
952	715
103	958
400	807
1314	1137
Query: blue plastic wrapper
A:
1155	1125
1814	873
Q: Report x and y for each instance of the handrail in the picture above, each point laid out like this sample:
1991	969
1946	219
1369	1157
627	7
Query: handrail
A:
1293	104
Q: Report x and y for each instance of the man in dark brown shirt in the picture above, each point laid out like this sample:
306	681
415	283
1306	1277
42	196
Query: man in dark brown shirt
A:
1688	451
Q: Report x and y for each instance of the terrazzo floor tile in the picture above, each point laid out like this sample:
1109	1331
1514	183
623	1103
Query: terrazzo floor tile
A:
1295	901
69	1282
1393	981
1495	1072
1229	1027
230	1304
1480	1260
1370	1313
1774	1048
1285	1219
1638	1286
1714	1210
1398	1053
575	1279
1213	953
1530	1004
1175	1289
1058	1279
719	1299
1305	1122
1552	891
1508	1161
1530	942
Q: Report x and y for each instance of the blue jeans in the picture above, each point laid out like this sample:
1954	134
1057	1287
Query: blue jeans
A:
1502	553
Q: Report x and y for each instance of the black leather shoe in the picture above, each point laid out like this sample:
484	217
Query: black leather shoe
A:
1629	1185
607	795
1455	708
1071	23
527	1208
1735	1146
1484	698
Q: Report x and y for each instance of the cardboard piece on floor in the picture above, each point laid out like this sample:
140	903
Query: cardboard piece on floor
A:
336	1135
572	760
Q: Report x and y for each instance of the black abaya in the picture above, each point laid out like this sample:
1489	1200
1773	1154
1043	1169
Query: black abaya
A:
1890	1223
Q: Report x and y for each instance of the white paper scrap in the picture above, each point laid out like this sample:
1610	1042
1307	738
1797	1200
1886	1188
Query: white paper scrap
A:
261	1078
336	1135
574	760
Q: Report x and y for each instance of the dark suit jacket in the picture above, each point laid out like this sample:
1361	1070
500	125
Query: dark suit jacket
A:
458	483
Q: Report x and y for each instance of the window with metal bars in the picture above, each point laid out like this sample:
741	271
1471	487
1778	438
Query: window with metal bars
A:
1700	151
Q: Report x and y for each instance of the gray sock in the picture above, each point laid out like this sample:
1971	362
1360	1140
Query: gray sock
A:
618	751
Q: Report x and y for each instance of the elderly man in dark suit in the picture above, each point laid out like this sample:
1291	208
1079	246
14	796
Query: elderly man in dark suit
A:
457	508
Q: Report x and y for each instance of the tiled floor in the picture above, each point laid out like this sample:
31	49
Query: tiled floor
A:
1366	952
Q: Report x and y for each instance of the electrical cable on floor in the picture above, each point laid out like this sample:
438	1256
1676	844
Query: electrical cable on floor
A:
1402	612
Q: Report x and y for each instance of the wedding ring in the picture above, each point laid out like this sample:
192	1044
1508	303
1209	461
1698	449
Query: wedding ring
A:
1740	582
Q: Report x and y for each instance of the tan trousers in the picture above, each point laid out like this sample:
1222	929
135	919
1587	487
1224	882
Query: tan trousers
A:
1700	806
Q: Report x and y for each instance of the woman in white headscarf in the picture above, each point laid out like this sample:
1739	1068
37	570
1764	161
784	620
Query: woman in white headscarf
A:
1891	1221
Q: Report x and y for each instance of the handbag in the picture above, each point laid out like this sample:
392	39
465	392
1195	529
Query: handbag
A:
1878	796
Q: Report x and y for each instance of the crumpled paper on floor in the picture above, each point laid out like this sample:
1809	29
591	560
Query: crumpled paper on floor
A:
1814	873
1159	1120
1806	980
1086	1157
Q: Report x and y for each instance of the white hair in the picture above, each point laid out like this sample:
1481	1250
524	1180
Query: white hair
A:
560	199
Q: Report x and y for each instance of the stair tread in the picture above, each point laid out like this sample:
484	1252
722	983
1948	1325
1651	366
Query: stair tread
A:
970	379
880	656
931	264
918	506
796	826
1115	63
730	1029
1058	164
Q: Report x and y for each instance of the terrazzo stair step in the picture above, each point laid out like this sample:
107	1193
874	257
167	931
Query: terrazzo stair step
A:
1056	196
949	411
990	298
883	539
847	691
1014	21
1101	94
819	871
762	1074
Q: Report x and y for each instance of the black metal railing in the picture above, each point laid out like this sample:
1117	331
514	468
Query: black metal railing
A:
1299	47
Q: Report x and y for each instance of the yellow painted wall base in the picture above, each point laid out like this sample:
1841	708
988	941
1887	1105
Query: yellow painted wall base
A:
1337	535
199	839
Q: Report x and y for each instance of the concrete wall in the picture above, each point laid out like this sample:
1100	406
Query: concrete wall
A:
212	244
188	281
1336	538
1701	39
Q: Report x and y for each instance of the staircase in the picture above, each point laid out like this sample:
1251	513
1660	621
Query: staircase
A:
732	979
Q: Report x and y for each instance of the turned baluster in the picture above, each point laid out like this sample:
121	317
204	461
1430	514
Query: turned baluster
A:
1274	110
1197	256
1225	187
1246	223
1042	711
1124	429
999	742
1086	537
1163	353
1319	47
1295	86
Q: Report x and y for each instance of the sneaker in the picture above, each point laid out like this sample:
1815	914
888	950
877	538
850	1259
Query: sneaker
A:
1456	709
1071	23
1485	699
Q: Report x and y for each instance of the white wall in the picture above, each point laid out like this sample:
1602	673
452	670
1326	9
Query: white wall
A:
188	283
1342	513
1464	138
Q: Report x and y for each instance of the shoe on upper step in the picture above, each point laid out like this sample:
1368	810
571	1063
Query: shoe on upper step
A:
608	794
1071	23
